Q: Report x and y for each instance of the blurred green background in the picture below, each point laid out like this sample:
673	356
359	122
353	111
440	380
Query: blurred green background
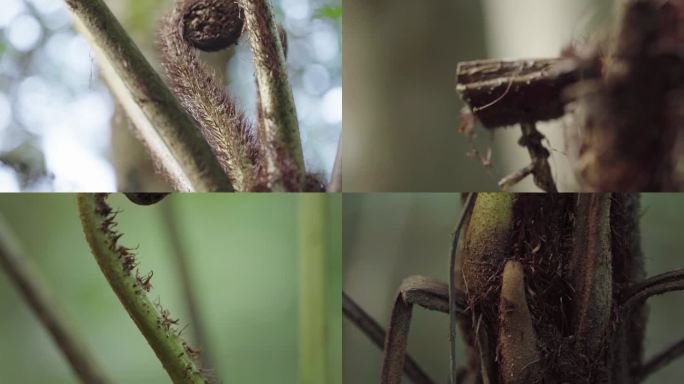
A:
243	256
391	236
400	106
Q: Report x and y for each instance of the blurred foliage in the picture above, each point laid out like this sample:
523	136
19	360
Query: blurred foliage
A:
243	256
139	15
401	111
333	12
391	236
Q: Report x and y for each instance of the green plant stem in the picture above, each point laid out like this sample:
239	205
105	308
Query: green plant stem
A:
169	133
313	359
37	295
97	221
278	129
180	254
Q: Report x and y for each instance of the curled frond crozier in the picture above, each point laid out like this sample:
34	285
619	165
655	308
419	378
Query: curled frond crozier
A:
223	125
211	25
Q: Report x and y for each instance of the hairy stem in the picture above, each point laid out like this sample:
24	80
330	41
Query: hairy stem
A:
168	132
426	292
591	271
374	331
117	264
223	125
279	129
37	295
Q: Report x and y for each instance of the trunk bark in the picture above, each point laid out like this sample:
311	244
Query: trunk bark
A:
556	262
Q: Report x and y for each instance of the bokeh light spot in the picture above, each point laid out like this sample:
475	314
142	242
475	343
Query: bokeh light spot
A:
331	105
10	10
24	33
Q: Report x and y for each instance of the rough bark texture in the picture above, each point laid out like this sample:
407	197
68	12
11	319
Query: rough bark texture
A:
551	290
502	93
628	267
548	300
631	107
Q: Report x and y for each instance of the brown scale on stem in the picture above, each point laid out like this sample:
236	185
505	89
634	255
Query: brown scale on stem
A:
117	263
590	270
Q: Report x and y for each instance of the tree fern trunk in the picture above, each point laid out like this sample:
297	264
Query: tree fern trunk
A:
576	253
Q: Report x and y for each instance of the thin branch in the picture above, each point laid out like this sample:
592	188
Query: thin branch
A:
426	292
486	352
660	360
516	177
359	317
532	140
335	184
467	207
279	129
656	285
117	263
180	254
166	129
37	295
